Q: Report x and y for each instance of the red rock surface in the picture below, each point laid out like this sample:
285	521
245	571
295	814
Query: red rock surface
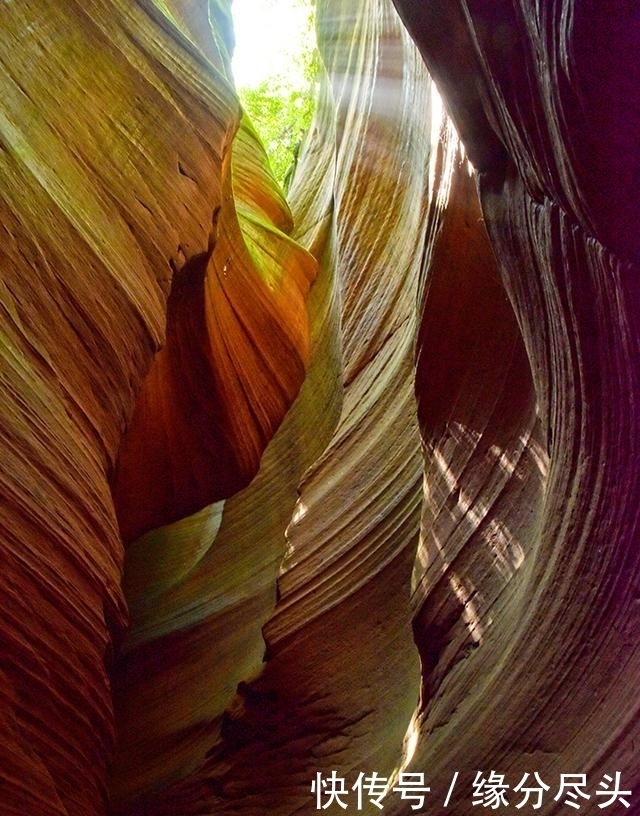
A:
548	559
385	522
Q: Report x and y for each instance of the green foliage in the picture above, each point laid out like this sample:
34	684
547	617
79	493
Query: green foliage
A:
281	107
281	116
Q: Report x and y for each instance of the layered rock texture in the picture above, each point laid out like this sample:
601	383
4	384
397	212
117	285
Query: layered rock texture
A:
343	484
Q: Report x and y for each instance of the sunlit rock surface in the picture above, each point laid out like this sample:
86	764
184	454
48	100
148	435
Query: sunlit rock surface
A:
125	229
353	531
347	484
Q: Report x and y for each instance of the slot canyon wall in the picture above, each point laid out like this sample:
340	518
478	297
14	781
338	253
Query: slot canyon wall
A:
345	483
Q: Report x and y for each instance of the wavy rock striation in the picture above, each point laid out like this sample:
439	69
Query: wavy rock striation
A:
531	488
348	484
353	533
126	216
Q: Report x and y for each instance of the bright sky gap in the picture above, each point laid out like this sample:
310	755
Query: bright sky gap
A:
271	36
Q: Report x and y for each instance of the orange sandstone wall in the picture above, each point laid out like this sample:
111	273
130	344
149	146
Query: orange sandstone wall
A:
346	484
531	490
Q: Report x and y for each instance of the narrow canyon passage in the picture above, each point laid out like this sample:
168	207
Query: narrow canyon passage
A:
325	500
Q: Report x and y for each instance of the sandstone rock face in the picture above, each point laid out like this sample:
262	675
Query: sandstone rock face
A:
346	484
531	492
126	228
